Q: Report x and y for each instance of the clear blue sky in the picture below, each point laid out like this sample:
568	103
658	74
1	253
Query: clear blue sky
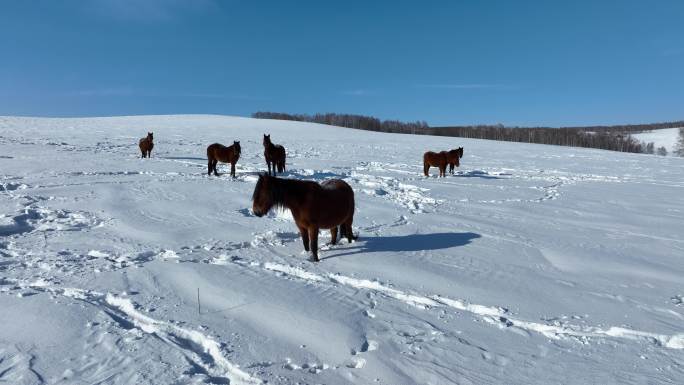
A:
447	62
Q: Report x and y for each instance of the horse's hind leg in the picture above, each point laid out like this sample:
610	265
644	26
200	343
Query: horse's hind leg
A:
215	166
347	231
209	164
426	169
333	236
313	240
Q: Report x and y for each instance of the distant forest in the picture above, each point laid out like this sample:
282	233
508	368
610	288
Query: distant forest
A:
615	138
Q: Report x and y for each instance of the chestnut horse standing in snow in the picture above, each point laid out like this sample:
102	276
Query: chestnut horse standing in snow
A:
274	153
453	158
435	159
314	206
218	152
146	145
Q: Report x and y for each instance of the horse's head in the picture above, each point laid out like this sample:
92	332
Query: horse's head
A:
236	147
460	152
267	139
150	136
454	156
262	198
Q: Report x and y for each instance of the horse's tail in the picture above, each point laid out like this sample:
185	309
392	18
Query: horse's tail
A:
345	228
345	231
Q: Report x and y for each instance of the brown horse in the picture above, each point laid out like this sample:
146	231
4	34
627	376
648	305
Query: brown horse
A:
146	145
274	153
218	152
435	159
314	206
453	158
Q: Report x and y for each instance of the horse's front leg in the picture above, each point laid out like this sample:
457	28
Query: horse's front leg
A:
269	167
313	239
232	170
305	237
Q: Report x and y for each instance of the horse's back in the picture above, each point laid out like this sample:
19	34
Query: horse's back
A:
338	200
278	153
339	188
213	148
336	184
434	158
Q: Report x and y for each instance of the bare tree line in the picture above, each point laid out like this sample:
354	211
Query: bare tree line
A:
615	138
349	120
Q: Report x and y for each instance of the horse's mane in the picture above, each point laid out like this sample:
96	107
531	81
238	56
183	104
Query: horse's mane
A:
281	188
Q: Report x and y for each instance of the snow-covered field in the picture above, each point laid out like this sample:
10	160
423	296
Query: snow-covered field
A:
534	264
666	137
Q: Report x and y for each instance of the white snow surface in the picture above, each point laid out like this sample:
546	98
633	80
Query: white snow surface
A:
666	137
532	264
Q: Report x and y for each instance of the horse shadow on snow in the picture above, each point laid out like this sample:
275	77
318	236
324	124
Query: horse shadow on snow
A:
408	243
477	174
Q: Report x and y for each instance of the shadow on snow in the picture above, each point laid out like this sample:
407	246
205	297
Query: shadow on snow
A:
413	242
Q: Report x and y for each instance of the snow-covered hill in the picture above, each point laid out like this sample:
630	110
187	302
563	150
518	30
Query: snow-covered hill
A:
533	264
666	137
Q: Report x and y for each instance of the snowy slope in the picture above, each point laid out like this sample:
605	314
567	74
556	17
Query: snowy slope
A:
534	264
666	137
